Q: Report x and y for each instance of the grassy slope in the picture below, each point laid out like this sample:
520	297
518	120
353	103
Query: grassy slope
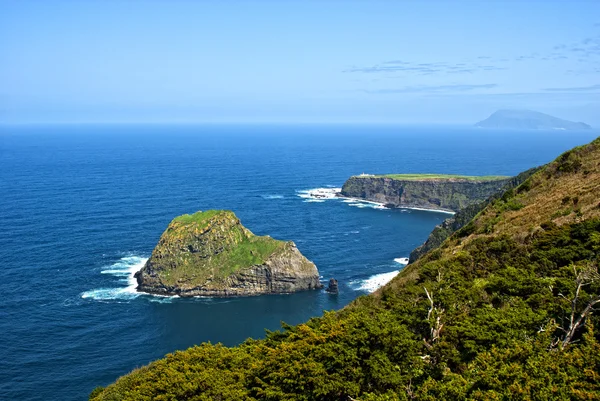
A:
232	249
437	177
200	218
501	291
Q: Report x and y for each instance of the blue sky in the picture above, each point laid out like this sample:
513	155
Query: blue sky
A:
297	61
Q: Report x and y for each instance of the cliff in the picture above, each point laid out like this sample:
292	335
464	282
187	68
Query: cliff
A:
504	309
427	191
452	224
212	254
527	119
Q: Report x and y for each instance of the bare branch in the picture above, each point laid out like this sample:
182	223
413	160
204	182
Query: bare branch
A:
430	298
435	326
574	326
586	276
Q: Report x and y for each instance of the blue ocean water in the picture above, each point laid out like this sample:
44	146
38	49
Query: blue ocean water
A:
81	208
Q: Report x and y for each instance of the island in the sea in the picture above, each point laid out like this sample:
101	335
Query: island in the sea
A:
423	191
212	254
527	119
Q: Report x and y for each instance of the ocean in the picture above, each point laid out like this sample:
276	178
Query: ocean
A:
82	207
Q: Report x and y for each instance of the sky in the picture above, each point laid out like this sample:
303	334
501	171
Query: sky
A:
426	62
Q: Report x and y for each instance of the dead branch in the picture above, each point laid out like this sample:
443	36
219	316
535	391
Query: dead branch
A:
585	276
436	325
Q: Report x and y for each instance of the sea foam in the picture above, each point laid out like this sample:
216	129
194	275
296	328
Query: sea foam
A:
125	269
319	195
374	282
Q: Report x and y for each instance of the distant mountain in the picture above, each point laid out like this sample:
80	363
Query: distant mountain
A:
527	119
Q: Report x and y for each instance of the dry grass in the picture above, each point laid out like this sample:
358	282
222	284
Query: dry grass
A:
563	197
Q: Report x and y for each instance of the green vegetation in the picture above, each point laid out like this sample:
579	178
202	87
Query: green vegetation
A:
435	177
208	245
200	218
194	271
502	310
249	252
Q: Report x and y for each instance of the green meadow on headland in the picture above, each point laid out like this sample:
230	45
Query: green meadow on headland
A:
418	177
503	309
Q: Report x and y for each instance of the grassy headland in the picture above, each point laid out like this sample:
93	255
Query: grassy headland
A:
437	177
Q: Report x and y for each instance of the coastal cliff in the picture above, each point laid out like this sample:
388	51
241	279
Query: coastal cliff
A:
212	254
427	191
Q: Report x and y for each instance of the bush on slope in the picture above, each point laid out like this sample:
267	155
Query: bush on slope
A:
484	316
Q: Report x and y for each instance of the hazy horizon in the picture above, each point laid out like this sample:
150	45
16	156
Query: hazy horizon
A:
264	62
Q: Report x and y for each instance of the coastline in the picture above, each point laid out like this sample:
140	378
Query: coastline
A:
327	193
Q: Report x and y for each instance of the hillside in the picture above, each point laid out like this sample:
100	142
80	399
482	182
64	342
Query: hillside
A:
452	224
527	119
503	309
427	191
212	254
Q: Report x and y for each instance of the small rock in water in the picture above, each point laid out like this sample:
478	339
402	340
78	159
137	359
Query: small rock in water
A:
332	288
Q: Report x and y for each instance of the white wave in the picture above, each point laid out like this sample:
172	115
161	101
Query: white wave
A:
374	282
368	204
402	261
272	196
161	299
328	193
430	210
319	193
125	267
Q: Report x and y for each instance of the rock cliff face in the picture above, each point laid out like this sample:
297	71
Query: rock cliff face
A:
449	193
441	232
212	254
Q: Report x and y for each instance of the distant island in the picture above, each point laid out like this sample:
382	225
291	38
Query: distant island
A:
212	254
527	119
426	191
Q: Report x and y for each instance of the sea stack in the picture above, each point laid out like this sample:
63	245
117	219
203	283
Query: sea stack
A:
212	254
332	288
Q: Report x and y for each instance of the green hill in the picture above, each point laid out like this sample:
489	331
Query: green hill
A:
502	310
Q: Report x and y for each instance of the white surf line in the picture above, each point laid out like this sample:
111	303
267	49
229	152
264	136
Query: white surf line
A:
318	195
376	281
428	210
125	267
329	193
